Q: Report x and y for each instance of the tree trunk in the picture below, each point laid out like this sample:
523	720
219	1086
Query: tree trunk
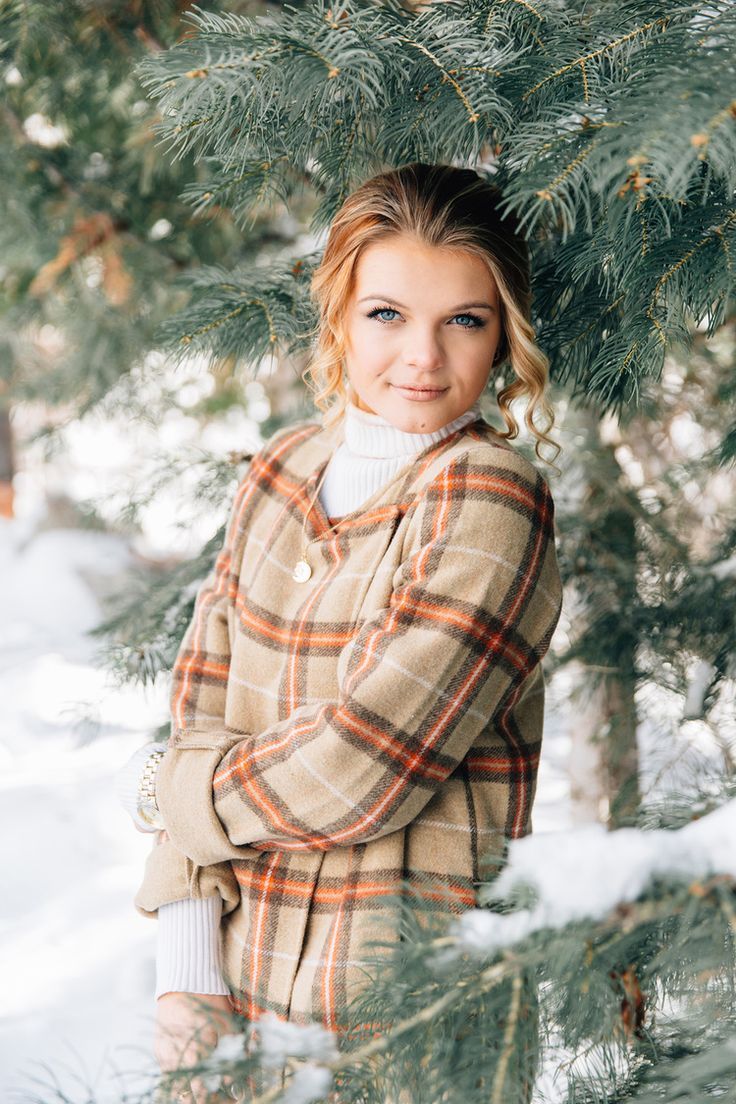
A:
604	762
605	759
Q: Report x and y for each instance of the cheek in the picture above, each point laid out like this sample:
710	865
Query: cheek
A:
363	335
486	346
371	347
470	349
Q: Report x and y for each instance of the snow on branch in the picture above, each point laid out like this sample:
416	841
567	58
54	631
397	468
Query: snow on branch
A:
584	873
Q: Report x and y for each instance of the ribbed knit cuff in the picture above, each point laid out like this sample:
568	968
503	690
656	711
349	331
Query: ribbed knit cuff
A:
188	947
128	778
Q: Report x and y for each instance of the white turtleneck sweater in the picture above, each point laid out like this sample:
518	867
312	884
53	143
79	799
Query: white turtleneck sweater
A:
371	453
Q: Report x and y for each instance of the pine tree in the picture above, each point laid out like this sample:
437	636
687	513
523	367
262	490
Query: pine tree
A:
635	975
611	134
610	131
95	234
654	633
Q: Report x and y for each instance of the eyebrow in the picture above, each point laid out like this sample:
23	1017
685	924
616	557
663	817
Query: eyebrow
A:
463	306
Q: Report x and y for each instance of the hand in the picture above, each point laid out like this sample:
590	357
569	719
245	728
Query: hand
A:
188	1027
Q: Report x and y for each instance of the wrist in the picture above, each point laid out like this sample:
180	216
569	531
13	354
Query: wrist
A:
147	806
127	780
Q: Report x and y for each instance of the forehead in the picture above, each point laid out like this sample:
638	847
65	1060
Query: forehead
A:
399	265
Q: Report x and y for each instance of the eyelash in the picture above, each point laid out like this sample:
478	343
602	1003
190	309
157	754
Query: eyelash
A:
478	323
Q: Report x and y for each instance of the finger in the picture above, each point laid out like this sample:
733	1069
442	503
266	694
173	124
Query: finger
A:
199	1090
231	1089
175	1050
195	1091
179	1044
184	1091
189	1090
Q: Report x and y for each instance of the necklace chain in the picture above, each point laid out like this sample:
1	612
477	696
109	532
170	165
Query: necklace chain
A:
302	570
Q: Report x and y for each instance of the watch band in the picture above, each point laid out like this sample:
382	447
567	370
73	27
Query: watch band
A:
147	807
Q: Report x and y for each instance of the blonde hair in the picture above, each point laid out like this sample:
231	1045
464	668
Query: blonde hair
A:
440	205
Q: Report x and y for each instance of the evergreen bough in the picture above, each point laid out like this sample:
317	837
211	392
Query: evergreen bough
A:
610	130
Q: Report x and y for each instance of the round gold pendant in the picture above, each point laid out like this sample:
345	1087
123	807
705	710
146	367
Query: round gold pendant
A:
302	571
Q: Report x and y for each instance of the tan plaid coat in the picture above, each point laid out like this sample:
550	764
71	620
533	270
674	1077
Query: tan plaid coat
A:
370	731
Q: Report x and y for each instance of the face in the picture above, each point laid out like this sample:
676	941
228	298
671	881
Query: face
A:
422	325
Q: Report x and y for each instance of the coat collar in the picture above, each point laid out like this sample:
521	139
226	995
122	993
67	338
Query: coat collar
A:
313	453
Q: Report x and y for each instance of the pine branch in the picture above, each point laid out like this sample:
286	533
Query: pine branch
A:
609	147
270	304
602	984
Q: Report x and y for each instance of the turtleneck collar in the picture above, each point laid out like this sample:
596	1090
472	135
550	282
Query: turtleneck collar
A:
373	437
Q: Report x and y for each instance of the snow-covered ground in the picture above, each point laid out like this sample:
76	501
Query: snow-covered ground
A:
76	959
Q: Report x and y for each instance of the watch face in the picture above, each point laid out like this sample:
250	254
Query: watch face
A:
150	814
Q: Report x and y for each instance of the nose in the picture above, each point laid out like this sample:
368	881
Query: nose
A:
423	351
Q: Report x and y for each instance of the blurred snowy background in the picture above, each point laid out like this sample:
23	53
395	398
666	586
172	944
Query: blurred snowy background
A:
76	959
115	263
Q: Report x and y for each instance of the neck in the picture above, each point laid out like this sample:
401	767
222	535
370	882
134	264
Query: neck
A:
372	436
371	454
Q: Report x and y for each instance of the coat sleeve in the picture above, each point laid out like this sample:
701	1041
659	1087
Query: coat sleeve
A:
471	614
197	702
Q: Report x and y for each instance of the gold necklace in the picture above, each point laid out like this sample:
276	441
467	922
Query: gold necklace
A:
302	571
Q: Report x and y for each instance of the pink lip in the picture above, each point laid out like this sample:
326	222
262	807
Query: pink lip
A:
420	394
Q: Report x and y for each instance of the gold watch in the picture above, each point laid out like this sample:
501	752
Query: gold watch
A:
147	807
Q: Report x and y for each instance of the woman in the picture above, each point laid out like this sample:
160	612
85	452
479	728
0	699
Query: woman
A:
357	703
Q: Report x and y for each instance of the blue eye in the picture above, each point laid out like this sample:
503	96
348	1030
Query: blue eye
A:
476	323
382	310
